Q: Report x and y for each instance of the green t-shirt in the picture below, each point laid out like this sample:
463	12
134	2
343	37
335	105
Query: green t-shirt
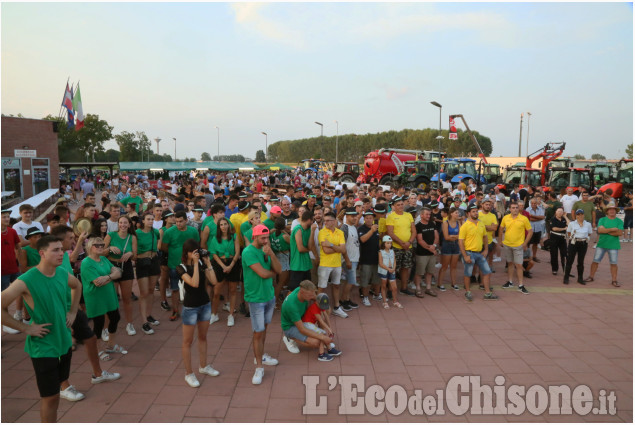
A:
292	309
248	234
300	261
209	219
269	223
257	289
147	241
224	248
587	207
49	306
32	256
130	200
213	228
278	244
607	241
174	239
66	265
124	245
99	300
550	212
244	227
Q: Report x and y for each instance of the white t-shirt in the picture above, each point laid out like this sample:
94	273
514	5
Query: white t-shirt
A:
21	227
113	226
568	201
352	244
157	224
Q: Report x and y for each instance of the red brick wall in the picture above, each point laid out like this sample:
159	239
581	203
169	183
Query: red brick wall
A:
38	135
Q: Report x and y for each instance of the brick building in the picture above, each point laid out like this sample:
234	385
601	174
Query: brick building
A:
30	160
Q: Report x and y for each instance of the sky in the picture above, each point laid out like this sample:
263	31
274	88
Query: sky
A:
177	70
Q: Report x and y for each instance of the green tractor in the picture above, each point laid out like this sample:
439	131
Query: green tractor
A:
491	173
416	174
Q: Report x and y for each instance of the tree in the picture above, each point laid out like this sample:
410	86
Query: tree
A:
260	156
597	156
578	156
75	145
629	151
128	146
206	156
111	155
229	158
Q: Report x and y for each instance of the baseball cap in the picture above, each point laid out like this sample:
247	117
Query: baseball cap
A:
434	204
351	211
242	195
260	230
369	213
199	209
386	239
274	199
166	214
327	198
580	211
33	231
179	207
380	208
276	210
410	209
359	204
323	301
298	189
395	199
472	207
5	210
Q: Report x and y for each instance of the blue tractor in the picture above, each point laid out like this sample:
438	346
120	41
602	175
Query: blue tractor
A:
459	170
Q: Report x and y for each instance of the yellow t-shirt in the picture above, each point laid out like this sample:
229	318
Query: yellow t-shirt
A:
515	229
382	225
236	220
472	235
488	219
263	217
402	226
336	237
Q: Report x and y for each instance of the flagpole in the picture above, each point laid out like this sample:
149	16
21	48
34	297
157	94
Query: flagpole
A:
59	114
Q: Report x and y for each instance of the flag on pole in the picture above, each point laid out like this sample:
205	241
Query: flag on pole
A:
452	135
77	106
68	104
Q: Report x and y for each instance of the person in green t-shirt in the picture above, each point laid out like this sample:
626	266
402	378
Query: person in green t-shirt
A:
293	308
172	243
148	269
260	265
48	341
610	229
209	225
302	242
280	240
246	229
132	199
224	250
275	212
28	256
164	278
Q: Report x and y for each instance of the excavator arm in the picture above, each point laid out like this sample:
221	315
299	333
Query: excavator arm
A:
548	153
478	147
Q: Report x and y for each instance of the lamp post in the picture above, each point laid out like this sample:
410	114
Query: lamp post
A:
520	137
321	137
439	138
337	137
174	138
266	146
527	147
218	141
158	139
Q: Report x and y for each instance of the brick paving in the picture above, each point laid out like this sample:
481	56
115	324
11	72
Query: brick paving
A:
557	335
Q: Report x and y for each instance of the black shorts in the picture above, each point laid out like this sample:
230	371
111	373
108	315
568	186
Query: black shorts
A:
50	372
148	267
80	328
535	239
296	277
164	258
128	270
232	276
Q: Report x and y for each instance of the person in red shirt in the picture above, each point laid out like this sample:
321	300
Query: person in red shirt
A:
10	248
316	317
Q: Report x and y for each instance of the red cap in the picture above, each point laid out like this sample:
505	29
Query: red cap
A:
260	230
276	210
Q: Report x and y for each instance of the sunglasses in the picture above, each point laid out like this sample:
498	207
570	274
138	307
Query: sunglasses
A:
99	245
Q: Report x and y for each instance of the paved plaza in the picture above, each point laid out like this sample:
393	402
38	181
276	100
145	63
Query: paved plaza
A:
557	335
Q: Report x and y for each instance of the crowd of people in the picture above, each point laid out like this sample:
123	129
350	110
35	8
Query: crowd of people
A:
252	243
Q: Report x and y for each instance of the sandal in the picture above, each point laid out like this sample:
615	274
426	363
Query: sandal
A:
397	304
616	284
589	279
419	294
116	349
104	357
386	306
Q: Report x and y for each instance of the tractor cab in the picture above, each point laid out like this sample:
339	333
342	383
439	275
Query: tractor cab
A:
491	173
576	178
346	172
458	170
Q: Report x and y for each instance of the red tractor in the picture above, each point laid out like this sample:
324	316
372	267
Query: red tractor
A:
576	178
345	172
382	165
624	179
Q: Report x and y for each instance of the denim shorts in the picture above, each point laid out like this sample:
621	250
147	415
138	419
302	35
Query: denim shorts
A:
261	314
479	260
7	279
192	315
283	257
599	254
174	280
350	275
294	333
388	276
326	274
450	248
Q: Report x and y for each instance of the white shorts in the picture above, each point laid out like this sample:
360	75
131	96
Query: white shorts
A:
326	274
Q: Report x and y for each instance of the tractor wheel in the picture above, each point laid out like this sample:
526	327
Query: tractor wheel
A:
347	178
422	183
386	180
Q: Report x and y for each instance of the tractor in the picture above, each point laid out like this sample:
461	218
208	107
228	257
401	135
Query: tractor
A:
345	172
416	174
576	178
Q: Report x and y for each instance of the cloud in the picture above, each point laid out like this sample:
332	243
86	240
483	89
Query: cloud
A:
250	16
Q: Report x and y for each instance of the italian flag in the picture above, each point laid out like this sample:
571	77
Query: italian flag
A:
77	106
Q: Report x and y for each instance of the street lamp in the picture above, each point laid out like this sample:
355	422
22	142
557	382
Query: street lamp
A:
218	141
174	138
439	138
337	136
527	147
520	137
266	146
157	140
321	137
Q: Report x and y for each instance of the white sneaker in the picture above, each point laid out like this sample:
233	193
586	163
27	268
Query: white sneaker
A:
214	318
412	286
267	360
105	335
437	266
595	246
257	379
291	345
339	312
105	376
130	329
168	292
230	320
208	370
496	259
226	307
366	302
71	394
10	330
192	381
18	315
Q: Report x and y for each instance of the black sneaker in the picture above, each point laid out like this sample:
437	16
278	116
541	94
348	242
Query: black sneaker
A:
351	304
508	285
472	279
407	292
165	306
147	329
156	287
242	309
565	280
527	274
133	297
152	321
481	287
523	290
345	306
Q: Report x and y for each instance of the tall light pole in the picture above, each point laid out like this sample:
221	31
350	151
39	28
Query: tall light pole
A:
266	146
174	138
158	139
520	138
337	137
439	138
527	147
218	141
321	138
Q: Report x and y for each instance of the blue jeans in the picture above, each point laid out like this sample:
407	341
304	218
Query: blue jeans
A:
261	314
7	279
599	254
193	315
174	280
479	260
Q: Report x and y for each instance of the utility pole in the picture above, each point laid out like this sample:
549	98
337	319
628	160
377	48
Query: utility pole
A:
527	147
520	138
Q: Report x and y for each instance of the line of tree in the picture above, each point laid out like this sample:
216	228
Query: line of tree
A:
353	147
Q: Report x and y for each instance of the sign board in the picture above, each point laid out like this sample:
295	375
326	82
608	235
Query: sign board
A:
25	153
453	136
10	163
27	172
